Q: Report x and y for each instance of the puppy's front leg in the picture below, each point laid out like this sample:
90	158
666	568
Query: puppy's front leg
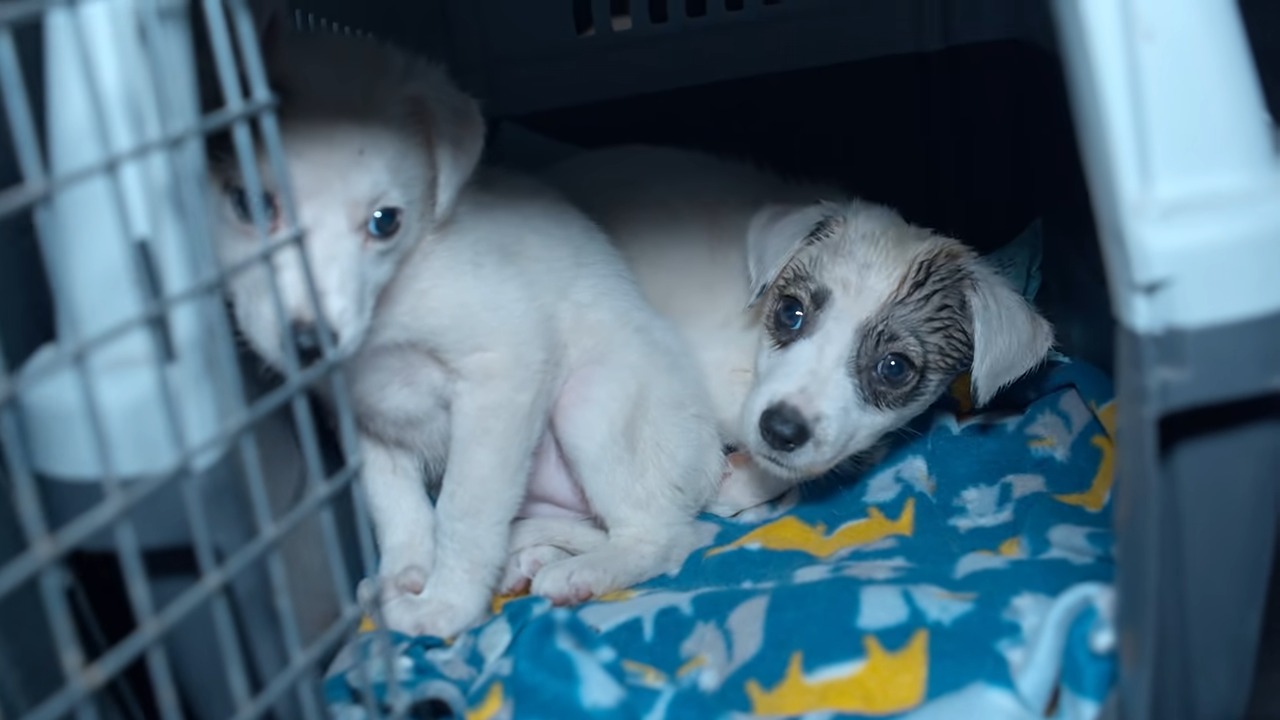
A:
404	523
499	413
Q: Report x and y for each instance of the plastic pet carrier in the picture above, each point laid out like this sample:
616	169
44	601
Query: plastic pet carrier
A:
182	531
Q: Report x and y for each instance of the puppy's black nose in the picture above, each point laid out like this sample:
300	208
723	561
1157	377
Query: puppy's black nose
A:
783	427
306	337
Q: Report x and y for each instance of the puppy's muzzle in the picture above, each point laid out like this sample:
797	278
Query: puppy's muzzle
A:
783	427
306	338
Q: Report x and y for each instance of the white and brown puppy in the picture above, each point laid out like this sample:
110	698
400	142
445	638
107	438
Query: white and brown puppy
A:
821	324
501	350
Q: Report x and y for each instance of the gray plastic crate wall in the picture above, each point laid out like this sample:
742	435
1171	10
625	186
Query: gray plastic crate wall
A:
179	533
520	57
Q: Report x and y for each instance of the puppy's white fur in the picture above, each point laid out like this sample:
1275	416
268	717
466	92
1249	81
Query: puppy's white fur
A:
500	349
718	245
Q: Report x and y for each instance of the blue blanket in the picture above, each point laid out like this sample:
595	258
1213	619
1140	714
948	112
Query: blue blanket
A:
967	574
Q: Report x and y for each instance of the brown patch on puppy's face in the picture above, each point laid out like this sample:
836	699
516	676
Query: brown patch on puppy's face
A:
923	336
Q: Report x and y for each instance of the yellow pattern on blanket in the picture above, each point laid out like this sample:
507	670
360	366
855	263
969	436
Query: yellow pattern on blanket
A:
883	682
1095	498
792	533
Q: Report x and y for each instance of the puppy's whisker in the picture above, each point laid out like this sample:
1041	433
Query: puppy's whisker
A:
909	431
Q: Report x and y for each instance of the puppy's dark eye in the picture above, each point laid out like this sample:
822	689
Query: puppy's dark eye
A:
384	223
895	369
788	316
240	204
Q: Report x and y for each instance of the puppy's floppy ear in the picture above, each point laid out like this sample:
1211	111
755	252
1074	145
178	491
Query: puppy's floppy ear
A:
1009	336
776	233
452	128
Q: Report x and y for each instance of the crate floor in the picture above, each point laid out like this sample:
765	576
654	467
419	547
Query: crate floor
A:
968	574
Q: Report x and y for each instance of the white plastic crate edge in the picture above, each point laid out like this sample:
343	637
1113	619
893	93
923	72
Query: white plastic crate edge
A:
1181	158
90	235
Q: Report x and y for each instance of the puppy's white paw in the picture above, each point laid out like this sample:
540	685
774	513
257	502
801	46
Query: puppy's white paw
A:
406	567
437	611
578	579
409	580
523	566
745	487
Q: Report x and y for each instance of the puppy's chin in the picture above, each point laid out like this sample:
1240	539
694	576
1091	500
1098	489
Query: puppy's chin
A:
275	353
781	467
857	454
268	353
351	343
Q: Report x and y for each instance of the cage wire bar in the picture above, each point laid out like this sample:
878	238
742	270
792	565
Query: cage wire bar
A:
124	130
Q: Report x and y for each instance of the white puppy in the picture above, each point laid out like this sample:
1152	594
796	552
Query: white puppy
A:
821	324
496	336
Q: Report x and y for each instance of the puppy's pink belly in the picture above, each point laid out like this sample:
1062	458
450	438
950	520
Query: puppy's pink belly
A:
552	490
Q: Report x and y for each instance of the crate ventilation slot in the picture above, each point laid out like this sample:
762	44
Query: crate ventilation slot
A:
311	22
626	15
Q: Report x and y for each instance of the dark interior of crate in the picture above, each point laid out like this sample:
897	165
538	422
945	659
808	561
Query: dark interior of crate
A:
975	141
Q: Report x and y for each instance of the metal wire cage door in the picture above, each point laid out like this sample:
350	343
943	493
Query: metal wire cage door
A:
180	534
